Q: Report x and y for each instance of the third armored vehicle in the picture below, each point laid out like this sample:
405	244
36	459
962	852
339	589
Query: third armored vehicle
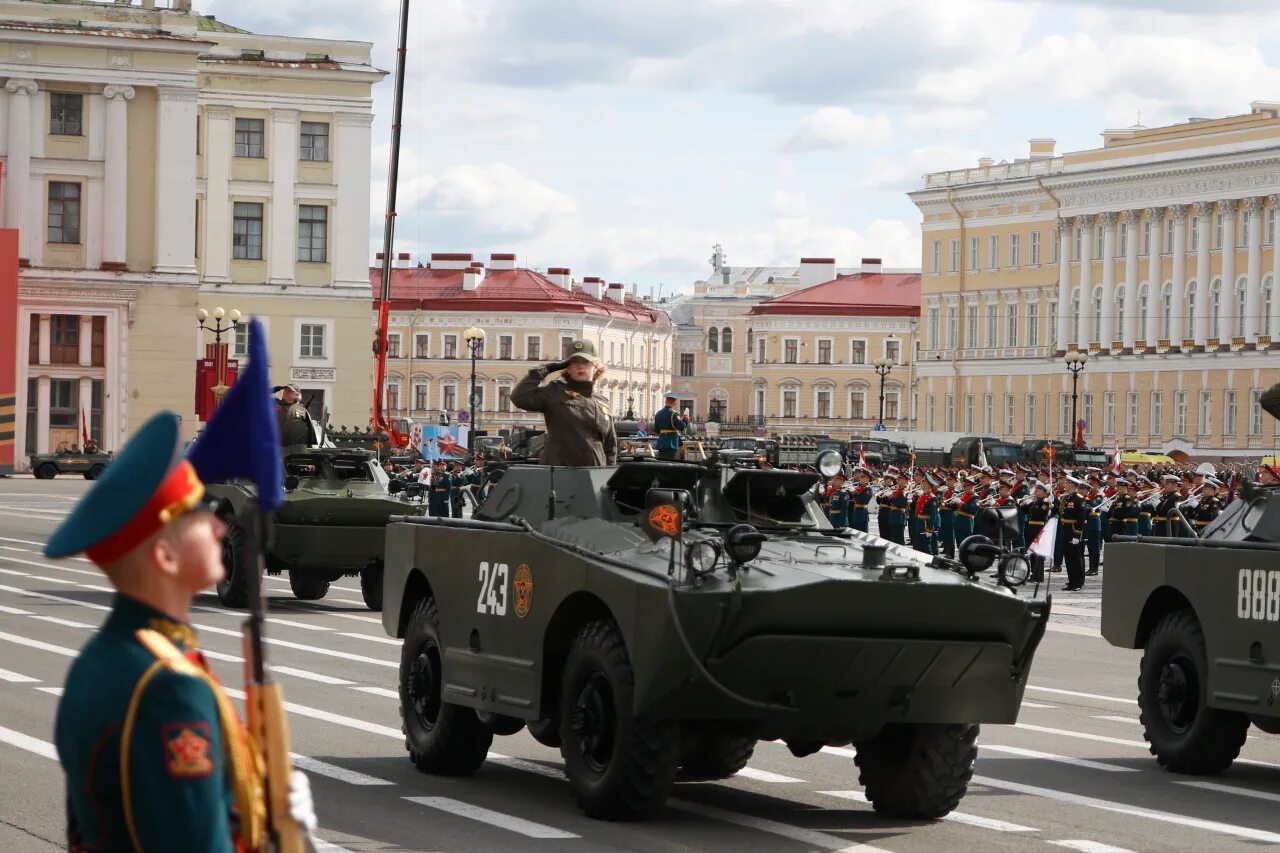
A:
661	617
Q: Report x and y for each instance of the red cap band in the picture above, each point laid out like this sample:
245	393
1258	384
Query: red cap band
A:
179	492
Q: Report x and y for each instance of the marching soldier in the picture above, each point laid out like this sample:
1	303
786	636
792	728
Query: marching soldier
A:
440	490
1210	505
1093	529
924	534
1073	518
859	515
668	427
966	512
947	521
834	501
296	426
899	505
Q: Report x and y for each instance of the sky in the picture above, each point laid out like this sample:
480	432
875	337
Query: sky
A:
623	139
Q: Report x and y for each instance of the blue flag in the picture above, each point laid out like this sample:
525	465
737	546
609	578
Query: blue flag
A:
242	439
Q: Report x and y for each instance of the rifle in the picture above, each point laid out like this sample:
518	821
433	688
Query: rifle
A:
264	703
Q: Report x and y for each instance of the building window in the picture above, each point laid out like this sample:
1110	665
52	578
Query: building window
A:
971	325
1195	232
1205	420
1215	307
504	398
249	137
1143	310
533	347
726	343
66	114
63	404
822	400
1078	234
988	413
448	396
1179	414
993	324
1243	230
1119	312
975	253
1166	310
893	350
791	350
421	396
686	364
1064	414
1168	236
1075	316
246	231
760	345
1242	303
1146	237
968	413
422	346
64	212
789	398
953	326
1029	415
993	251
506	346
1033	324
1122	245
1228	414
1108	413
1267	288
393	344
311	341
1255	412
1034	249
857	352
313	141
933	328
478	402
824	351
64	339
1270	236
1157	413
1218	220
890	406
1190	330
949	413
1009	408
313	232
1053	251
1097	314
955	255
393	395
450	346
935	260
713	340
1086	411
1131	413
1011	325
240	349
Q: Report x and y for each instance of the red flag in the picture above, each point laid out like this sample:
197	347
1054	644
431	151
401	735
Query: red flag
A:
1116	466
84	429
862	456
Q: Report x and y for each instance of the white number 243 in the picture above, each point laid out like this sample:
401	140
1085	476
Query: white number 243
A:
1258	595
493	589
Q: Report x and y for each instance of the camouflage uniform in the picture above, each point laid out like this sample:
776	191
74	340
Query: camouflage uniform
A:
579	425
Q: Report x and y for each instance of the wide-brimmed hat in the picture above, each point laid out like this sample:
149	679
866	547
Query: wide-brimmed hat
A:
583	349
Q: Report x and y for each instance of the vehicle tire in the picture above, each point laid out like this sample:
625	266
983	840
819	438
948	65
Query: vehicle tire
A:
917	771
1186	735
46	471
371	585
710	754
233	589
307	587
546	732
441	738
95	472
620	767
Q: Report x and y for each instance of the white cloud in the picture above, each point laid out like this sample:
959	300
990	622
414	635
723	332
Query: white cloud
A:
904	172
838	129
945	119
496	201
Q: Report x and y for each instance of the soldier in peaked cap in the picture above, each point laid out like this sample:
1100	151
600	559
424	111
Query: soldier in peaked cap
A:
154	754
579	426
668	426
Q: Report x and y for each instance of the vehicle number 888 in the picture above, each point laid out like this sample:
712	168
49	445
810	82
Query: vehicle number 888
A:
1258	595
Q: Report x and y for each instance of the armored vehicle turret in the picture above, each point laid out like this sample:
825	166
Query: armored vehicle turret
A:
657	618
1206	613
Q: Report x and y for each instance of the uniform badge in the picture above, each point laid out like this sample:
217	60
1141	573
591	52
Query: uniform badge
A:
524	590
573	395
187	751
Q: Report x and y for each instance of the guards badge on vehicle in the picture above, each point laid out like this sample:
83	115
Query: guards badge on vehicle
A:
524	590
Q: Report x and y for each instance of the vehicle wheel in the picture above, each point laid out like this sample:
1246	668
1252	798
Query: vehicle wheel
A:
547	732
1186	735
233	589
710	754
441	738
307	587
371	585
46	471
913	770
620	767
95	472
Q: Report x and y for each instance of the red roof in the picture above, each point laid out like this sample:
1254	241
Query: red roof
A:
422	288
855	295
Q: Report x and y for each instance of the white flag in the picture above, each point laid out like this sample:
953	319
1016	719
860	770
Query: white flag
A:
982	456
1044	543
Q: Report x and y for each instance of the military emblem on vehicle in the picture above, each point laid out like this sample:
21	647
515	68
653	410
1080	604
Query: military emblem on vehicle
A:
665	519
524	590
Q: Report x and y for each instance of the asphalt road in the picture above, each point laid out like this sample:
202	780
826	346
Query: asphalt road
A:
1074	772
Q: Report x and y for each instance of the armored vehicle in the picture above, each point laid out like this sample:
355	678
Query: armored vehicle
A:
69	460
336	506
1206	613
656	618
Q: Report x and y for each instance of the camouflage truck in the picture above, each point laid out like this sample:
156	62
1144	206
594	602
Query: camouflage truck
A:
1206	613
69	460
661	617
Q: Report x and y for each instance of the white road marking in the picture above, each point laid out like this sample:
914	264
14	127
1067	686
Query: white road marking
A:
810	837
511	823
326	716
54	566
308	675
1118	719
37	644
1090	846
333	771
1081	735
1049	756
15	548
17	677
1077	694
957	817
766	776
1231	789
1135	811
307	607
323	846
22	541
842	751
274	620
384	640
29	743
52	691
13	611
379	691
527	766
31	593
274	641
66	623
1027	704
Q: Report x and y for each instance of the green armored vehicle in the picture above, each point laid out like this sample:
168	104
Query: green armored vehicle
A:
1206	613
336	506
69	460
657	618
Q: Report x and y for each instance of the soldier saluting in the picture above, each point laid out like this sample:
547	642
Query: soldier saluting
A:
295	421
579	427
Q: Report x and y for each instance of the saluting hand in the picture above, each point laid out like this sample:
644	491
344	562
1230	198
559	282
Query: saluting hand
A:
553	366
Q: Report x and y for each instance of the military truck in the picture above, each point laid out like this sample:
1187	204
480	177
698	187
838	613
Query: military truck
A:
69	460
660	617
336	505
1206	613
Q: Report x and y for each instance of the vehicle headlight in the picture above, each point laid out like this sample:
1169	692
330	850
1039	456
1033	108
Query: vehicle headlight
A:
1015	569
701	556
829	463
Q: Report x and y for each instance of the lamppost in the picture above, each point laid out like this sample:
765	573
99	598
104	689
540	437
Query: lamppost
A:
1075	361
631	412
882	366
475	342
217	351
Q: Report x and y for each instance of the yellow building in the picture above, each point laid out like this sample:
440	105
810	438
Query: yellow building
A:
1154	254
527	319
157	161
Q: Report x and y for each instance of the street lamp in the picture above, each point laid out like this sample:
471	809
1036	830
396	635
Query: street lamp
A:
631	411
1075	361
217	351
882	366
475	342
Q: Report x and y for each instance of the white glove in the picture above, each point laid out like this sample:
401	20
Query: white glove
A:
1075	541
301	807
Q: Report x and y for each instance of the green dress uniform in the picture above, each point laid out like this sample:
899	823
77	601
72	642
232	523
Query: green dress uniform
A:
1145	513
1093	532
1123	518
924	535
898	507
947	524
439	493
1205	512
835	505
1037	513
966	512
668	426
859	515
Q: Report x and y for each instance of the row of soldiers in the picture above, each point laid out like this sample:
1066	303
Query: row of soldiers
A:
444	486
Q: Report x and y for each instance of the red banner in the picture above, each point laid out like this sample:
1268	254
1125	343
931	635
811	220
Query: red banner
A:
207	379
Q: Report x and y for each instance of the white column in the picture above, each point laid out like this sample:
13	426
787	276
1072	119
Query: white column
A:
219	146
115	183
17	172
1275	279
1086	282
1107	329
1179	272
350	227
46	339
42	413
1204	212
86	340
1132	223
92	206
282	250
1155	215
1253	289
1229	308
1064	283
175	191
